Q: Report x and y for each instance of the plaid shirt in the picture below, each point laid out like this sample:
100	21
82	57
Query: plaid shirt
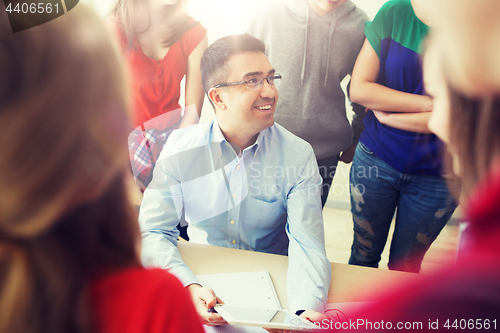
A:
144	148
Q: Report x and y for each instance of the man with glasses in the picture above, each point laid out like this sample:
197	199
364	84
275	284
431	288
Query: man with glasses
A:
241	181
314	44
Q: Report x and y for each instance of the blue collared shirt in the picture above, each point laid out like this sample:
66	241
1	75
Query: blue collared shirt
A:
265	198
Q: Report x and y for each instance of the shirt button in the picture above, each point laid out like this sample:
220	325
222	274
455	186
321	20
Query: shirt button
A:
232	222
234	242
238	167
235	195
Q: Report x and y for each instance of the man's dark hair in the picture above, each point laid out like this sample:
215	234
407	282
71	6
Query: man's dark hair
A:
214	68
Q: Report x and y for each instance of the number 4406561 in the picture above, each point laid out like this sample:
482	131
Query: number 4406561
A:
33	8
471	324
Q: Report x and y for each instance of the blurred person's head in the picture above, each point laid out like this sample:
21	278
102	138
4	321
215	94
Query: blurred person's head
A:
64	210
468	33
469	126
139	16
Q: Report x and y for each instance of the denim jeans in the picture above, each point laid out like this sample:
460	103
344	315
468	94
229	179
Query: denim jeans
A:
327	168
422	203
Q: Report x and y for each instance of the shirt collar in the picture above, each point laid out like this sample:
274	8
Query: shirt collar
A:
217	136
260	140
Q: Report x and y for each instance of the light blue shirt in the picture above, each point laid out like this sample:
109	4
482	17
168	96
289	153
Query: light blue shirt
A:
267	199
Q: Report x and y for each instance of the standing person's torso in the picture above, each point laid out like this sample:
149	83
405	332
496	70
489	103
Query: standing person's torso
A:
396	35
313	53
156	83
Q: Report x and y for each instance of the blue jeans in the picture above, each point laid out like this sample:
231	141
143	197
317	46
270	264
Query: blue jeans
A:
422	203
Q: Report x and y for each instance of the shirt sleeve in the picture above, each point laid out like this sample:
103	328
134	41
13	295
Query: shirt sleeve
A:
377	29
309	272
160	212
192	38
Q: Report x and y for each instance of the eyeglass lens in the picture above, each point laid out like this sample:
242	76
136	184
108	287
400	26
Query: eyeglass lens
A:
258	82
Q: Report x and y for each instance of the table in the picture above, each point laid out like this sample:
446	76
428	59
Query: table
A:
349	283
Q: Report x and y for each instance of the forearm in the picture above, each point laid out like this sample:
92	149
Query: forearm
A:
375	96
412	122
194	87
191	116
309	272
161	251
160	212
365	91
194	100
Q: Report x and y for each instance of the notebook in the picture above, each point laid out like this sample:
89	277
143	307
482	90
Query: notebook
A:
249	289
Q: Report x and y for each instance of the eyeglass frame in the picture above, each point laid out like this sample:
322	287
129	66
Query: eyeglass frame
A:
237	83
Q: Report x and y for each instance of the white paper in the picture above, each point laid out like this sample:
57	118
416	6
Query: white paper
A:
234	329
247	289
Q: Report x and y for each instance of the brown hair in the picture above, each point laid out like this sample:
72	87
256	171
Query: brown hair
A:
474	135
214	61
64	212
178	21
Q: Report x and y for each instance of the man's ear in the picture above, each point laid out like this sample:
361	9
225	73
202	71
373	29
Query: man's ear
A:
216	99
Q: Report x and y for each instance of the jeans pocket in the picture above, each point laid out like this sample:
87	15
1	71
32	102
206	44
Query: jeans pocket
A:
364	148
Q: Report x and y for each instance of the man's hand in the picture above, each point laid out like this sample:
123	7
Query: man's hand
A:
348	154
313	316
309	315
204	300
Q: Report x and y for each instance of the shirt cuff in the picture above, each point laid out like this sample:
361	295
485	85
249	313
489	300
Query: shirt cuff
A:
299	312
184	274
307	303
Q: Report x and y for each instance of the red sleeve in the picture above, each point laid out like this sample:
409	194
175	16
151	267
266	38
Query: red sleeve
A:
141	300
467	291
191	38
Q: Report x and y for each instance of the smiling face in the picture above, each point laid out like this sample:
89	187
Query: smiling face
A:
323	7
244	112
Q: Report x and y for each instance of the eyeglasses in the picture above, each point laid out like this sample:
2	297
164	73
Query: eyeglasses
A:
254	83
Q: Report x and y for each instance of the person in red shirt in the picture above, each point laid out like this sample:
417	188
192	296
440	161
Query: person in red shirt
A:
162	45
69	237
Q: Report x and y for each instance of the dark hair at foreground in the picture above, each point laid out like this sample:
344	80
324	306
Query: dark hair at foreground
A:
474	135
214	68
65	216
